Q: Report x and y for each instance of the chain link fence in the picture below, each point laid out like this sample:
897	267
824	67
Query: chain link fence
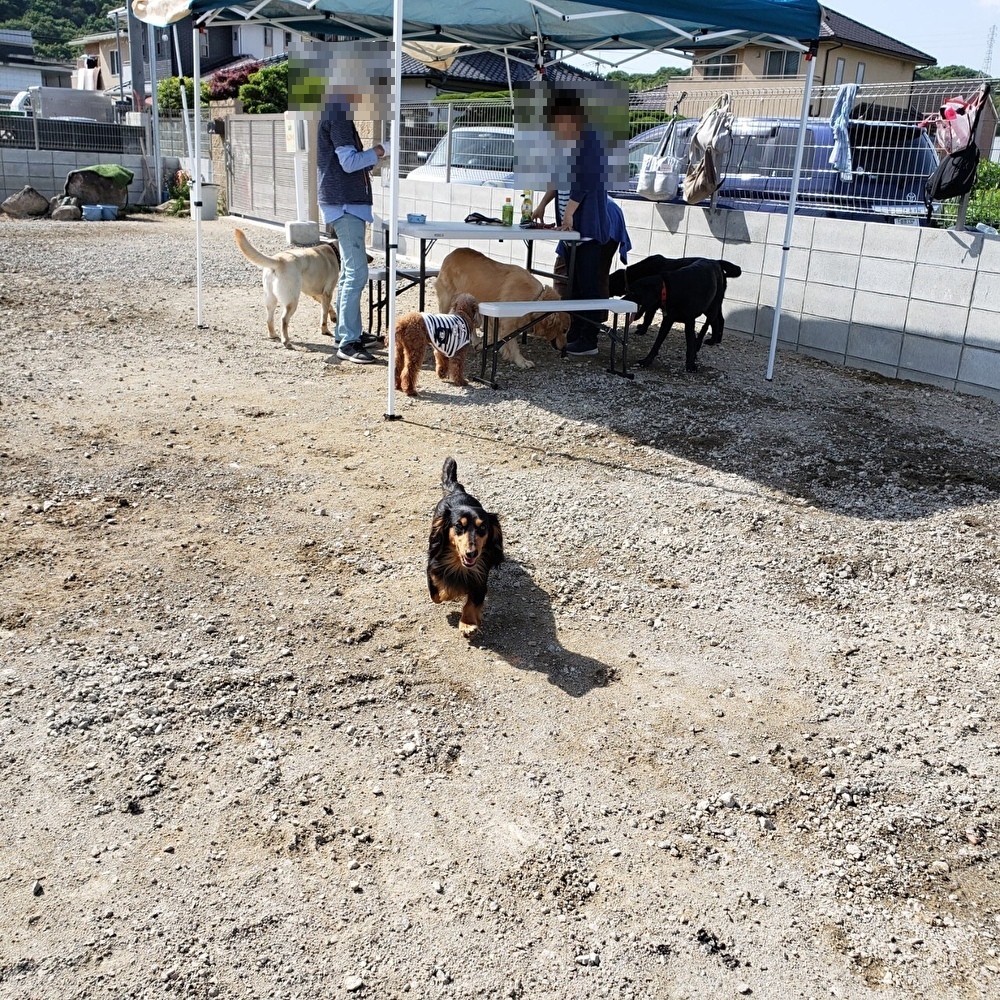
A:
893	148
891	155
20	132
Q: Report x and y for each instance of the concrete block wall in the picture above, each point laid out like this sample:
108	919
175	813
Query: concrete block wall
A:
46	170
906	302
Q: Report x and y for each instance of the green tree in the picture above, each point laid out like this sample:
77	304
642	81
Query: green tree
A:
266	92
52	23
168	93
647	81
947	73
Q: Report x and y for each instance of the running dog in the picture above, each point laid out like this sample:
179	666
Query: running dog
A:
449	335
313	270
465	544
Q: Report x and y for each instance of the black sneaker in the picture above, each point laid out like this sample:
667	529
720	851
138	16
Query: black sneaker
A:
578	349
355	353
368	339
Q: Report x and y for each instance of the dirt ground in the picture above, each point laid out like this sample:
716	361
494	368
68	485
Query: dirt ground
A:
730	728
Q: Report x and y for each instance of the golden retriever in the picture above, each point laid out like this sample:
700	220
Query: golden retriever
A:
313	270
486	280
413	334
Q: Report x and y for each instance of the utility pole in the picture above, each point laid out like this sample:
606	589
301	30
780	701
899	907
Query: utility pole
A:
988	60
135	37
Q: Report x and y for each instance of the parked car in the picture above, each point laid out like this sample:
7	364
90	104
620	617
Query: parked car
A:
479	155
890	160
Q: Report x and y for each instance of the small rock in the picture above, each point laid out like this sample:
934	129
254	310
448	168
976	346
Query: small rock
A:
941	867
25	204
589	958
728	799
353	983
36	889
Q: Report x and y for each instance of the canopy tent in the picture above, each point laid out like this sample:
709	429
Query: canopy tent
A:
546	26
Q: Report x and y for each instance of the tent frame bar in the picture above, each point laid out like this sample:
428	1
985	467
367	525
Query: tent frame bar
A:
786	243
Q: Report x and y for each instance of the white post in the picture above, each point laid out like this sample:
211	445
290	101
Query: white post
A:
157	159
397	93
298	167
184	100
790	216
196	195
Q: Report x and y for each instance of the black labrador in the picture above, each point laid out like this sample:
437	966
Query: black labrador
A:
684	289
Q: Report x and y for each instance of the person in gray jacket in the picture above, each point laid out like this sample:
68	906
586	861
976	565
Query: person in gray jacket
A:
345	202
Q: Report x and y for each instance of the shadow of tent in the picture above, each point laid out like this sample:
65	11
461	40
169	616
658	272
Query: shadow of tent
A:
850	442
520	627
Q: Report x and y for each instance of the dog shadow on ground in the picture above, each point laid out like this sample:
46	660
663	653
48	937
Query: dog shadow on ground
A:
519	625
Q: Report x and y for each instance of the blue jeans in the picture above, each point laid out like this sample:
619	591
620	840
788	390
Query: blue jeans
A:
350	232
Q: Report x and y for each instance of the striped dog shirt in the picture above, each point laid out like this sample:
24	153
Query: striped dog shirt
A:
448	333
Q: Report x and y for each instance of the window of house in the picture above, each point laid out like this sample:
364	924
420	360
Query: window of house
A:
203	43
781	62
724	65
859	77
236	39
838	75
113	63
161	43
288	39
268	37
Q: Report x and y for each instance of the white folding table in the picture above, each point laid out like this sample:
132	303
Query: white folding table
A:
428	233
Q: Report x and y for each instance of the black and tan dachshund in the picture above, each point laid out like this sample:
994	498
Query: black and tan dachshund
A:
669	284
465	544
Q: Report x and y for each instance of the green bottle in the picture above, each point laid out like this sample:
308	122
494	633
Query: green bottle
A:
507	215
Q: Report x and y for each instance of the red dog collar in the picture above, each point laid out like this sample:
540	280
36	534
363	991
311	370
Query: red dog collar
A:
663	294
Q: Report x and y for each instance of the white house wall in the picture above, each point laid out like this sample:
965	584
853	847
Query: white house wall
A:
14	79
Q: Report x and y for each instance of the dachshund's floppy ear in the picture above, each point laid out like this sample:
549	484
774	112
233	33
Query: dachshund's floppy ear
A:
436	542
494	543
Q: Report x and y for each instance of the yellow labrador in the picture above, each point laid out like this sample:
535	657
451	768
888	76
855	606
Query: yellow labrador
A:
486	280
313	270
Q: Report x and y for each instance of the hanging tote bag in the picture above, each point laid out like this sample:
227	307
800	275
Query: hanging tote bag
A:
710	147
659	173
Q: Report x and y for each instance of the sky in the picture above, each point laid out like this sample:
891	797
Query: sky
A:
954	32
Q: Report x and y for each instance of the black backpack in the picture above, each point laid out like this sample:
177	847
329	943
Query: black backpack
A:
955	176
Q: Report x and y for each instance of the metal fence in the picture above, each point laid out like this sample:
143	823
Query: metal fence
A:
261	174
19	132
474	136
177	131
891	155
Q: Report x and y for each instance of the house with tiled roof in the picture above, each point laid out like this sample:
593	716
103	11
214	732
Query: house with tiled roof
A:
20	68
849	52
478	71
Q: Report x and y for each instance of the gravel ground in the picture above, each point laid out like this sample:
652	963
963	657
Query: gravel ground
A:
730	727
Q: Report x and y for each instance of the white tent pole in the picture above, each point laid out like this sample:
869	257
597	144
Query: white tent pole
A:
153	83
184	100
196	199
790	216
397	95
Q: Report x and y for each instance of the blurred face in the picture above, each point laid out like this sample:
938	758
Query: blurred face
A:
566	127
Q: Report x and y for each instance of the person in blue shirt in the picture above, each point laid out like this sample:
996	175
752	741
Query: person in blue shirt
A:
620	242
586	212
345	202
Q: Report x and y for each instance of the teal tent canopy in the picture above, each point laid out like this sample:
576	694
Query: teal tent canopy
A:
617	24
